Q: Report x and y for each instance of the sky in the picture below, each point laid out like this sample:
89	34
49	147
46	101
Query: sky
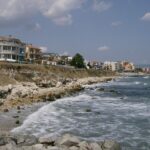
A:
98	29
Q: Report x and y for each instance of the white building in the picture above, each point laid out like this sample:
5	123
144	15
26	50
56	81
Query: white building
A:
112	66
11	49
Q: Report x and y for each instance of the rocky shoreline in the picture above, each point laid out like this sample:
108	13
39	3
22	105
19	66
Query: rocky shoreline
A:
65	142
24	94
27	93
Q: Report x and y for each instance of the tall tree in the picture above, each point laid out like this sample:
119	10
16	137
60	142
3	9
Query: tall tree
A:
78	61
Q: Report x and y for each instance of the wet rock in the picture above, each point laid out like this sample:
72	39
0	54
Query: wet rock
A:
18	107
88	110
101	89
17	122
16	116
6	110
20	140
111	145
69	140
113	91
26	140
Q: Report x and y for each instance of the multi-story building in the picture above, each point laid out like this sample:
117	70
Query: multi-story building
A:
11	49
50	58
33	53
95	64
127	66
112	66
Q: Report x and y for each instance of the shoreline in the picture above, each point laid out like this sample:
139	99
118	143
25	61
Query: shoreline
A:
14	111
27	93
11	141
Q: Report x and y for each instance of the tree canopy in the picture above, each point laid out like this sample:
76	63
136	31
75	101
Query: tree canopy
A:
78	61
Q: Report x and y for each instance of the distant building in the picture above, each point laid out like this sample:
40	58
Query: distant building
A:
95	65
50	58
127	66
112	66
11	49
33	53
65	60
146	70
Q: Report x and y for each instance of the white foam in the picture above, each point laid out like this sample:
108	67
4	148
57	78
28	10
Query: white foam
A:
146	77
48	116
145	84
137	82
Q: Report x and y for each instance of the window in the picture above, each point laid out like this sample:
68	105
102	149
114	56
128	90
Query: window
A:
6	47
14	57
14	48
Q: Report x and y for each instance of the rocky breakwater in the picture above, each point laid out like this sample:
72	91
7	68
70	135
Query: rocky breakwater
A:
65	142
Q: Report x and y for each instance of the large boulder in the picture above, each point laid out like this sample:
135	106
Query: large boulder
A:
68	140
95	146
84	145
111	145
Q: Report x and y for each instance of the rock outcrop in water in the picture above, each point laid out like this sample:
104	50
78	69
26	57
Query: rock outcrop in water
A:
66	142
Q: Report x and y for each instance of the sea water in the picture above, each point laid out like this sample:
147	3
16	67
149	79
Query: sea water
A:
120	112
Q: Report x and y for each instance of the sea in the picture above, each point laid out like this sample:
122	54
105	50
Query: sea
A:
119	110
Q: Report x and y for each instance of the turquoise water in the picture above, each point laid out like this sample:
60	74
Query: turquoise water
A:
121	112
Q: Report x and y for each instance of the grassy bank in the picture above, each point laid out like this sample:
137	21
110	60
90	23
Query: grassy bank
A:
14	73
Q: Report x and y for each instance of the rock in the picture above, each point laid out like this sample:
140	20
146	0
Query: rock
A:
17	122
69	140
20	140
6	110
59	84
31	141
95	146
84	145
26	140
74	148
53	148
2	141
38	147
16	116
18	111
88	110
47	140
18	107
101	89
1	103
111	145
9	147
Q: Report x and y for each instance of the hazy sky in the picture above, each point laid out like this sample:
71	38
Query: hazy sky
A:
98	29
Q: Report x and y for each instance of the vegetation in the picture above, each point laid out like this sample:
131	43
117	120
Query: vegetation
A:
78	61
13	73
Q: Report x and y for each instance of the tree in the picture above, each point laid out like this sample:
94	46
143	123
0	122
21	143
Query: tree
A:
78	61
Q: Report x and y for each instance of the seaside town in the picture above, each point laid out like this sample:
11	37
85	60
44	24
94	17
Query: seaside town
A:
15	51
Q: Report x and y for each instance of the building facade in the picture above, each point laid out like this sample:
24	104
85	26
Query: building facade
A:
33	54
112	66
11	49
128	66
50	58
